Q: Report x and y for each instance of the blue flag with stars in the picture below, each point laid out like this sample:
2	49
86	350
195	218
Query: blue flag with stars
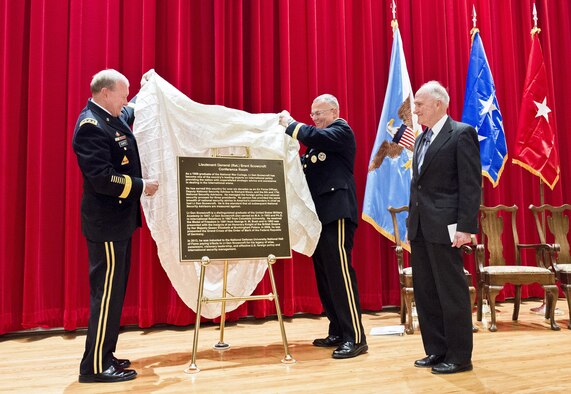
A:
481	110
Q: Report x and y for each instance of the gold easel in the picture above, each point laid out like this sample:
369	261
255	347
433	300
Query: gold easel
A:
221	345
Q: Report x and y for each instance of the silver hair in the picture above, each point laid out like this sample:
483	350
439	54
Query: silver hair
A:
435	90
106	79
327	98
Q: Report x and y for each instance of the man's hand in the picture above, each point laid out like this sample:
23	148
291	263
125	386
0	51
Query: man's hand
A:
461	239
285	118
146	76
151	187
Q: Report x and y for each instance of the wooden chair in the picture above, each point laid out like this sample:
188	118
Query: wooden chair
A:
558	224
496	273
405	277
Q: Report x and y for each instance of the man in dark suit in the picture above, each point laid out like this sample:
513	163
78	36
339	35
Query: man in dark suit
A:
443	213
328	166
108	157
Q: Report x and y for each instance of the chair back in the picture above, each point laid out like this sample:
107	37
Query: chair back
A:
558	224
492	225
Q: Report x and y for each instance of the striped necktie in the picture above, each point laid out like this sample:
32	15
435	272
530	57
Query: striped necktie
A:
424	147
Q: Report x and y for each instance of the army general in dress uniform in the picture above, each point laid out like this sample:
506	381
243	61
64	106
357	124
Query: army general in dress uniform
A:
328	165
108	157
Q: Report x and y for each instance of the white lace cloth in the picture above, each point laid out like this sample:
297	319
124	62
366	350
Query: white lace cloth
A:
168	124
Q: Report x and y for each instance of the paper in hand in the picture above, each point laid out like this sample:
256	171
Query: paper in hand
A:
452	231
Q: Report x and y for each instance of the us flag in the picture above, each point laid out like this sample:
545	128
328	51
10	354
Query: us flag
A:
404	136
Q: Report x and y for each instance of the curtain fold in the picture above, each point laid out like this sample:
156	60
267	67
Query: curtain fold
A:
255	55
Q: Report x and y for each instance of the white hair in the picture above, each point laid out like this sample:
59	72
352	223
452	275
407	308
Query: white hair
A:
435	90
327	98
106	79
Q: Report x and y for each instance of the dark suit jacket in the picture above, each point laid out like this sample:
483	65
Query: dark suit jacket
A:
108	157
447	190
328	166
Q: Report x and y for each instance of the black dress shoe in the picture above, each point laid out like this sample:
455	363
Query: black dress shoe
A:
429	361
110	375
330	341
451	368
120	363
350	349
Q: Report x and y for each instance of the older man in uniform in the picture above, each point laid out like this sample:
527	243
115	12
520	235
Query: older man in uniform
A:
110	212
328	166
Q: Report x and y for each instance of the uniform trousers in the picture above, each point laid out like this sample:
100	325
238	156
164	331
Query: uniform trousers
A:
336	281
442	300
109	264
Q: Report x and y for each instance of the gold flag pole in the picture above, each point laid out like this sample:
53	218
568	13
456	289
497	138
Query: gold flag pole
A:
536	30
473	31
540	310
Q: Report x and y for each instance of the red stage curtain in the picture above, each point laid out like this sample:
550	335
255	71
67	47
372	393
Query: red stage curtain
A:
256	55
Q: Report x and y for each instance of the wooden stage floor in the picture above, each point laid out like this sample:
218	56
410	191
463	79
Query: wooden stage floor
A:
522	357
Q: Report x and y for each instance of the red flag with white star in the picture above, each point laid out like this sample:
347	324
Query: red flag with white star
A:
535	148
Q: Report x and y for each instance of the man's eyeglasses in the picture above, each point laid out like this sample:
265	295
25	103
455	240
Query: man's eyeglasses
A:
318	113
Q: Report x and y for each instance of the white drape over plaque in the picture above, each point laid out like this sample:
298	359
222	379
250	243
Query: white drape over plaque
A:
169	124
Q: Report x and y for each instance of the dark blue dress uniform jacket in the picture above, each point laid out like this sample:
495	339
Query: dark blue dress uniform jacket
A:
109	160
328	166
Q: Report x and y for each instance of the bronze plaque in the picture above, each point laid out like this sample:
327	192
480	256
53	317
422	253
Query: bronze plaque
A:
232	208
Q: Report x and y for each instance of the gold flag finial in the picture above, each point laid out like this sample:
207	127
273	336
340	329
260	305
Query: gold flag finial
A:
474	20
535	29
394	22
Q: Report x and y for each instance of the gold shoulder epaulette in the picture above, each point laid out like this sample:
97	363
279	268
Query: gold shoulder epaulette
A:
88	120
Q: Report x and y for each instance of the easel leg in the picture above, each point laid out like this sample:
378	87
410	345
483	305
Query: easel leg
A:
192	368
221	345
288	359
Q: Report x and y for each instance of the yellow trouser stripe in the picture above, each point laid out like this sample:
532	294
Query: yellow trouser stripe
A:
347	279
128	185
104	308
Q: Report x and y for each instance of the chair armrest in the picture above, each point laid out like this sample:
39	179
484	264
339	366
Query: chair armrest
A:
400	258
544	254
480	257
534	246
468	249
553	256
